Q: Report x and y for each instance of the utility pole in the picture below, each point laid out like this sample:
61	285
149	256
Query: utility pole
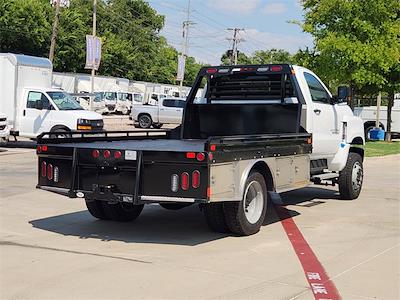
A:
235	41
93	70
54	33
185	40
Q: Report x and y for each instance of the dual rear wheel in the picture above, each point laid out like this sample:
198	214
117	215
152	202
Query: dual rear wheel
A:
121	211
243	217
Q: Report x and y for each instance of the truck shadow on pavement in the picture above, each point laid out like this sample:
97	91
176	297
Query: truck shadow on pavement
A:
156	225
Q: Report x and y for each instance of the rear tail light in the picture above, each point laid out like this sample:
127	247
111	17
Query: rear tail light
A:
195	179
117	154
200	156
95	153
41	148
174	182
44	169
107	154
49	171
190	155
185	181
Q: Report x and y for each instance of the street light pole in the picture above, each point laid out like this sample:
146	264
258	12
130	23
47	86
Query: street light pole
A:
93	49
54	33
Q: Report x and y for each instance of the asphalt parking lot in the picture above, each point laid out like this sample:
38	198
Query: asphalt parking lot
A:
51	248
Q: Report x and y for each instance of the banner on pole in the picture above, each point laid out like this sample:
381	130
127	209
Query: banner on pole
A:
181	67
63	3
93	52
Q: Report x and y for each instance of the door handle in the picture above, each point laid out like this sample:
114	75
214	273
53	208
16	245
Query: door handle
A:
317	111
24	112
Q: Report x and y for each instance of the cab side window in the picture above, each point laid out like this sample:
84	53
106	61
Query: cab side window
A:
35	96
317	91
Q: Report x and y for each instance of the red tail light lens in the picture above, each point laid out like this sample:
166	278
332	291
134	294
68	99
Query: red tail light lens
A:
276	68
200	156
107	154
185	181
44	169
95	153
190	155
117	154
212	71
42	148
195	179
49	172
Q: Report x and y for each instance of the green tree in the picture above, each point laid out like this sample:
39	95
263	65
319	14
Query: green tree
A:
25	26
273	56
357	42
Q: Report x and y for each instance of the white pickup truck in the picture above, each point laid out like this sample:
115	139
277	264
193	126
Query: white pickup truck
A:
368	115
157	113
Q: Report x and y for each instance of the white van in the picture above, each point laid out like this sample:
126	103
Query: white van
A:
30	103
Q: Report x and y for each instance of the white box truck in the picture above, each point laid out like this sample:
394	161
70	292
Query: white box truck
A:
30	103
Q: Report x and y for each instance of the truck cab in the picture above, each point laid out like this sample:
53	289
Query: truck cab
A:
54	110
330	120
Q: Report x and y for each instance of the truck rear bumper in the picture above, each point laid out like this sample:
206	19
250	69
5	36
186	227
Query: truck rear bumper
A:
114	197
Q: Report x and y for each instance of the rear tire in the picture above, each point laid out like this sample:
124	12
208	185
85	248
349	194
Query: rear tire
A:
351	177
95	208
121	211
245	217
215	217
174	206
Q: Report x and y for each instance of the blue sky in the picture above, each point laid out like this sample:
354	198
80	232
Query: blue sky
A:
265	23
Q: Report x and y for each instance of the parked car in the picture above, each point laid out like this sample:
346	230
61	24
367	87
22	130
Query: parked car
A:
257	130
30	103
165	111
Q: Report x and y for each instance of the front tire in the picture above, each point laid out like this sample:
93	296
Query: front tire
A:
351	177
246	216
145	121
122	211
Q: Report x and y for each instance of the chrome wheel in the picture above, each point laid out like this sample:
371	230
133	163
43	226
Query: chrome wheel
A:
253	203
357	176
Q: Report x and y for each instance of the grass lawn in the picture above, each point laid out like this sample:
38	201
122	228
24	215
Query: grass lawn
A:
381	148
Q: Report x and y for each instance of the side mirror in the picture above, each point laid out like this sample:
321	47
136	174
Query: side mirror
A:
39	104
343	93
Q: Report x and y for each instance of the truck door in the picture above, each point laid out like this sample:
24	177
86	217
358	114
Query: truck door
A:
325	127
169	113
32	116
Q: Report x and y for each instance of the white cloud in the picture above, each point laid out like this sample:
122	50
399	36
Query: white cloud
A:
236	6
259	40
274	8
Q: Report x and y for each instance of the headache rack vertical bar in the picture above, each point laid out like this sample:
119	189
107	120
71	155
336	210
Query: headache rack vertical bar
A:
139	165
73	173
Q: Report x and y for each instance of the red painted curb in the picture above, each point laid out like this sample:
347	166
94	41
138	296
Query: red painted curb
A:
322	287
